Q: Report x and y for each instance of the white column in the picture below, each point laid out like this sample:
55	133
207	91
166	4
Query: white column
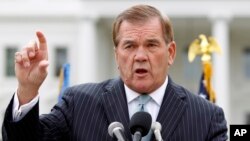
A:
2	62
220	30
86	52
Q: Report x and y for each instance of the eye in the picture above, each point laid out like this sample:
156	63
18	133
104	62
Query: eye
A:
152	45
128	46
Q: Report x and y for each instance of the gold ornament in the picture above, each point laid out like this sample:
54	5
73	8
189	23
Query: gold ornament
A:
204	47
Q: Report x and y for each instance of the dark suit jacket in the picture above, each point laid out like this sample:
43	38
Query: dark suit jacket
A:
87	110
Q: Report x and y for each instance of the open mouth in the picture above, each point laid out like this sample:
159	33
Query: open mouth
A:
141	71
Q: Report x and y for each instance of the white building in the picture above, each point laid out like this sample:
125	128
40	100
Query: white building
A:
79	32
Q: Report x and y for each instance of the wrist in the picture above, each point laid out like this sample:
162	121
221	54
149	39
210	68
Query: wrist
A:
25	94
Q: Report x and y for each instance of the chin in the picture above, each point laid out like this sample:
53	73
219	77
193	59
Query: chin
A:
142	88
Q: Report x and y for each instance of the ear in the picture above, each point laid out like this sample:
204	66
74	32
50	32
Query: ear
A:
171	52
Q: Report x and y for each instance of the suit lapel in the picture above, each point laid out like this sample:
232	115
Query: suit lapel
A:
115	105
171	111
172	108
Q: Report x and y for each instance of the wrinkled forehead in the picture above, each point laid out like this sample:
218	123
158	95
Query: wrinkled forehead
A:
149	27
139	22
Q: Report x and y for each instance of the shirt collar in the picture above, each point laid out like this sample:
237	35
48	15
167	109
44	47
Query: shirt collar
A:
156	95
130	94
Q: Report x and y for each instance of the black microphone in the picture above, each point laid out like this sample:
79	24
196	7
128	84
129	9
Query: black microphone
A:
156	127
140	125
116	129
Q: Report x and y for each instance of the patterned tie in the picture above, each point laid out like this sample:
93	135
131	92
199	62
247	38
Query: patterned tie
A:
143	100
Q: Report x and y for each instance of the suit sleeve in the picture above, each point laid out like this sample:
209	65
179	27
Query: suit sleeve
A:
25	129
53	126
218	126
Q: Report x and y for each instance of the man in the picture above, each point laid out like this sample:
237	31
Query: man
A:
144	51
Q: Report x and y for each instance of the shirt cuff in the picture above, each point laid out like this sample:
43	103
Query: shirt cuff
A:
19	112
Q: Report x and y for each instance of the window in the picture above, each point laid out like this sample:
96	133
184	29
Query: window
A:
247	118
61	57
193	70
246	58
9	61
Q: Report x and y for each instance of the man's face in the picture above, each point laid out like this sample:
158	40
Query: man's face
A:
142	55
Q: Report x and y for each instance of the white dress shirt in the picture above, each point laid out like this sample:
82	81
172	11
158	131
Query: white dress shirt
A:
153	106
19	112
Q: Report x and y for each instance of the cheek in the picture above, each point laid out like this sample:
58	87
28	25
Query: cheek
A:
159	64
125	64
119	59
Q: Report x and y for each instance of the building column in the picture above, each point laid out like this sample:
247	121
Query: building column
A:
2	63
86	52
220	31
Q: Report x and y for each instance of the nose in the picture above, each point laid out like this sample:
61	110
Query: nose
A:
141	55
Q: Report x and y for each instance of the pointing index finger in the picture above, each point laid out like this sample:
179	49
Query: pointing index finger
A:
42	40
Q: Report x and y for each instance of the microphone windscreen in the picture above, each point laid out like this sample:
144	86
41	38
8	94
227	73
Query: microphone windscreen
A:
114	125
140	121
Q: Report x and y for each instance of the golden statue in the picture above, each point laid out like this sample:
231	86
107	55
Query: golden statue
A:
204	47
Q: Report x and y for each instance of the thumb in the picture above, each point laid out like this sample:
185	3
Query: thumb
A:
43	65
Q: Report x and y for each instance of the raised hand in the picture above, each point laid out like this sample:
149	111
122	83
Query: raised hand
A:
31	68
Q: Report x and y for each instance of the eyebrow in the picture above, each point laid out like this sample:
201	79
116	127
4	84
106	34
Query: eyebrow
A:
153	41
127	41
130	41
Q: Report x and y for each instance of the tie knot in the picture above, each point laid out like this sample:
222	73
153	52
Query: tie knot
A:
143	99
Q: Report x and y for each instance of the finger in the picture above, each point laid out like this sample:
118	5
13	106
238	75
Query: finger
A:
25	59
42	41
31	49
36	48
18	57
43	65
